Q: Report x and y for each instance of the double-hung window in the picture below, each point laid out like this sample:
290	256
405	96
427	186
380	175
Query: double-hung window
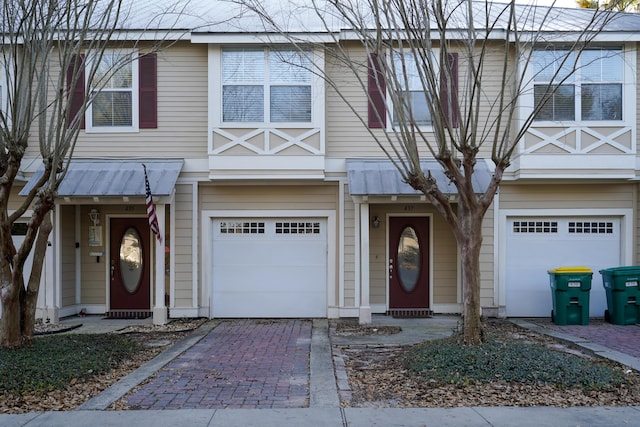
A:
115	94
412	97
266	85
593	92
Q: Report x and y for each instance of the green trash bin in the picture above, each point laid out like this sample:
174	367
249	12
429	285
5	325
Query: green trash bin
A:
570	288
623	295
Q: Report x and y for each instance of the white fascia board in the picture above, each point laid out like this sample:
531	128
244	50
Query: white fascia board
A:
350	35
264	162
151	35
335	165
571	37
578	161
262	38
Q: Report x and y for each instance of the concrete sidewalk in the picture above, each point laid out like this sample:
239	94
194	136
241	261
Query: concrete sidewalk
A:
324	405
336	416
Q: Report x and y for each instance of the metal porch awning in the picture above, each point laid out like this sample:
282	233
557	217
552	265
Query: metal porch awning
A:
379	177
114	177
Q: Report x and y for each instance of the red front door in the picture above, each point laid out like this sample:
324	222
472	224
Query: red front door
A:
130	287
408	263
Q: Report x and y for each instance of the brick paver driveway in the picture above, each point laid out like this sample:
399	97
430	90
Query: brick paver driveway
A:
239	364
622	338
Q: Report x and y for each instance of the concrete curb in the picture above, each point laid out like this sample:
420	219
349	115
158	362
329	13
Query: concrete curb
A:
597	349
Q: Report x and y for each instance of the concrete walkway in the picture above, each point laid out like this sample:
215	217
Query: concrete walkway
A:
323	402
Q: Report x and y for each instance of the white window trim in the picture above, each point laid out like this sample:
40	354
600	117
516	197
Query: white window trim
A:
135	113
215	91
527	102
390	124
4	88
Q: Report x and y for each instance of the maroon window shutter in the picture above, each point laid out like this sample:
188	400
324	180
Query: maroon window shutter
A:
77	92
449	92
148	87
376	86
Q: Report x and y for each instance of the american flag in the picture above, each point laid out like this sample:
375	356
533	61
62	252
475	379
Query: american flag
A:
151	207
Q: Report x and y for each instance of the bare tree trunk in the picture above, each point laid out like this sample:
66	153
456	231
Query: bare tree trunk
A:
28	304
10	323
470	259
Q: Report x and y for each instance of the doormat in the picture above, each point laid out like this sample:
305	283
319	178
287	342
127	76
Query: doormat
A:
407	313
128	314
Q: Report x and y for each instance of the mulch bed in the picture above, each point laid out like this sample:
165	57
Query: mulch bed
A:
377	378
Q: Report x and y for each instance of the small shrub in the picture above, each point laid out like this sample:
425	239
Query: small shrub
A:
53	361
449	362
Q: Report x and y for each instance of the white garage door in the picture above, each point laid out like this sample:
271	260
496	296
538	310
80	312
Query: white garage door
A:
536	245
269	267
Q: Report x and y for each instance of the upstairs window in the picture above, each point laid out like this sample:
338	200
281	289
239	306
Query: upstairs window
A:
266	85
113	103
413	98
592	93
125	99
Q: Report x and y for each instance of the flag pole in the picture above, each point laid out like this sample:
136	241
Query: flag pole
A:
151	207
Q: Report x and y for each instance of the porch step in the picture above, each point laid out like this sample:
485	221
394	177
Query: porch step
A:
403	313
128	314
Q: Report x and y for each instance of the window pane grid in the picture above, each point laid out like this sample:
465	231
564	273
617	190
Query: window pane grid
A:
112	105
112	108
266	85
536	227
241	227
596	94
590	227
413	99
297	228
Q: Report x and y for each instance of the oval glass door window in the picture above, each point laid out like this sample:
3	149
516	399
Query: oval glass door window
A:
408	259
131	260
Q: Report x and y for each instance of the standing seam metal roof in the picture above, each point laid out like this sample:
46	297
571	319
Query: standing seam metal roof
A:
377	177
115	177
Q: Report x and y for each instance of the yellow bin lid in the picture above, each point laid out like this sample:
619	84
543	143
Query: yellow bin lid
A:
579	269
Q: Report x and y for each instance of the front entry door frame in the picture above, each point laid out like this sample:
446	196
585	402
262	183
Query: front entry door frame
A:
389	251
151	258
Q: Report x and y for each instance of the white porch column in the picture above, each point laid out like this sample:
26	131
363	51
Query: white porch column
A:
365	308
160	312
51	281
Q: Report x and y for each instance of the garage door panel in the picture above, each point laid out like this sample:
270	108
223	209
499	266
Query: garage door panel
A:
536	245
250	278
279	271
268	306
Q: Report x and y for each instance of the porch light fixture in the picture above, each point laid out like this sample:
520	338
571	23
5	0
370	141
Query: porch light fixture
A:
376	221
95	217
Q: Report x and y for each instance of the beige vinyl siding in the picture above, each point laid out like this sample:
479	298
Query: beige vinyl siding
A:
445	261
183	241
94	274
268	197
348	137
68	254
182	113
15	200
378	256
566	196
